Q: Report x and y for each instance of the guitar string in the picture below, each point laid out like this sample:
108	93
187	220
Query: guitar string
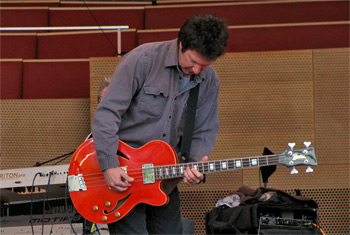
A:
102	182
92	184
177	169
230	161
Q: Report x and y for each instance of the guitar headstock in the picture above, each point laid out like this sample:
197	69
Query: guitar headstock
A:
296	157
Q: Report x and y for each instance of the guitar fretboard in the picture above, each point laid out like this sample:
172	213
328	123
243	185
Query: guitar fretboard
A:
175	171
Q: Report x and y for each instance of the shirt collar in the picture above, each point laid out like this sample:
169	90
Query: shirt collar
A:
172	57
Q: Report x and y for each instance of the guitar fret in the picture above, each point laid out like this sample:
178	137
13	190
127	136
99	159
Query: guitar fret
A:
205	167
160	172
217	165
263	161
254	162
195	166
245	163
231	164
211	166
155	172
223	165
259	161
201	167
238	163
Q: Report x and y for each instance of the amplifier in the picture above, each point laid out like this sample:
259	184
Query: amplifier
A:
285	222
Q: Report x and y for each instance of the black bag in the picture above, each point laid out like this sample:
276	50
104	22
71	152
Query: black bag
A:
265	211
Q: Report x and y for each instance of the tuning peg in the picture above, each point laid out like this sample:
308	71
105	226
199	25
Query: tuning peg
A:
309	170
294	171
291	145
307	144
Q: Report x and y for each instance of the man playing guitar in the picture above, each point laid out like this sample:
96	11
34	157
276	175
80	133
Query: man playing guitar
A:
146	101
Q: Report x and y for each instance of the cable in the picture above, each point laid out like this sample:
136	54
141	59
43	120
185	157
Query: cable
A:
56	158
31	201
46	195
110	42
64	157
66	205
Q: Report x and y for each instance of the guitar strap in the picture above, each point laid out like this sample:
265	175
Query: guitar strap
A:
189	125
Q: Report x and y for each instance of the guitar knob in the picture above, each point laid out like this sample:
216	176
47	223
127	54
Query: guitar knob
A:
309	170
291	145
294	171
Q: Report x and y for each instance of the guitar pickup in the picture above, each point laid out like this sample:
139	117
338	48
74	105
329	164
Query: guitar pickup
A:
76	183
148	174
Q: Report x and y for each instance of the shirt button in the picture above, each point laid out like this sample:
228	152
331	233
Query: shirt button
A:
170	117
164	135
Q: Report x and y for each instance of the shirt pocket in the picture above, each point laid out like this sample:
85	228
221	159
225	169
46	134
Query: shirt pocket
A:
153	101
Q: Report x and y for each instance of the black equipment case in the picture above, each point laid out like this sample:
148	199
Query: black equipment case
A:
265	211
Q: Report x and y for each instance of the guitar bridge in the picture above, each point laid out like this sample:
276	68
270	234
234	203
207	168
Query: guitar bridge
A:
148	174
76	183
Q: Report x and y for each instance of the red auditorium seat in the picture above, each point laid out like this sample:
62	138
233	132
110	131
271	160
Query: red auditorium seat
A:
25	3
173	2
104	3
105	16
289	37
84	44
271	37
18	45
24	16
155	35
11	78
56	79
249	13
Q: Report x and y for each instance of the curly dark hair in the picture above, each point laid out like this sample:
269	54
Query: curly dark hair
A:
206	34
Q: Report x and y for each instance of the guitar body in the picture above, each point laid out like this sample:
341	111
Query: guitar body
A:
96	202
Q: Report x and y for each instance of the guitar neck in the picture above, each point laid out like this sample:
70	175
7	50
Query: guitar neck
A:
176	171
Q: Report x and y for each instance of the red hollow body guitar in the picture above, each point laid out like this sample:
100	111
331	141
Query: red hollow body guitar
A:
149	165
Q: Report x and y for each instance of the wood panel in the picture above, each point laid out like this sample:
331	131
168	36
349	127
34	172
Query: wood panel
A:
40	130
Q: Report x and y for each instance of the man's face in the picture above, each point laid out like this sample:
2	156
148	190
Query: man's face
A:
192	62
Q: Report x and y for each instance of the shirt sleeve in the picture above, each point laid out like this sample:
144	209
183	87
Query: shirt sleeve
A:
126	81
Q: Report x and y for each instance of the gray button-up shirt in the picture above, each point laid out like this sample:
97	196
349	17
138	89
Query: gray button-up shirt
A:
145	102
